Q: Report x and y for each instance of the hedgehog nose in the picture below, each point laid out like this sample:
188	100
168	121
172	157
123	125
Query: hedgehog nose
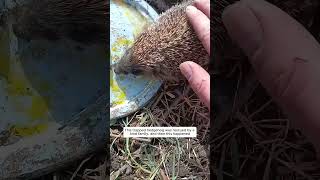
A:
123	72
119	71
115	68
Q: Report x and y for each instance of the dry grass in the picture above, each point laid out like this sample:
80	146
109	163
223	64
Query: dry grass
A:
255	140
163	158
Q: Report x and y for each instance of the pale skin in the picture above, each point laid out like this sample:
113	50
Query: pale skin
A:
198	78
285	56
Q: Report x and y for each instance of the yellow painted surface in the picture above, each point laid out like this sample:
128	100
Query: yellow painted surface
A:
38	108
24	131
138	23
18	85
137	20
119	93
116	47
23	99
120	43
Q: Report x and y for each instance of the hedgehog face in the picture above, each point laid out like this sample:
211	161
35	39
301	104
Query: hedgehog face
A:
126	65
20	32
147	65
128	69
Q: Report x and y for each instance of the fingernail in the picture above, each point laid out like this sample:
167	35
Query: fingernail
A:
243	27
191	10
186	70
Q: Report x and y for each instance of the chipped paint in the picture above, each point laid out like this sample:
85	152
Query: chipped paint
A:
120	96
22	98
128	93
28	130
120	42
38	109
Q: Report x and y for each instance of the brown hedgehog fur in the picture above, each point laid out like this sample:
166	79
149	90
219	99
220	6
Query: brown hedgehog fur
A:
84	21
160	49
163	46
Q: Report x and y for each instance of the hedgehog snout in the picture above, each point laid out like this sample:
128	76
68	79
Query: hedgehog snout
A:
118	69
15	30
18	33
128	69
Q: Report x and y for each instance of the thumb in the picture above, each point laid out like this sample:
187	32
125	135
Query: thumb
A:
199	80
285	57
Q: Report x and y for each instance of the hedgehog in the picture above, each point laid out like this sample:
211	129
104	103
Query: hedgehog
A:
83	21
159	50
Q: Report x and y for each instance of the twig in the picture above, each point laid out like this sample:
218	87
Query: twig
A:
79	167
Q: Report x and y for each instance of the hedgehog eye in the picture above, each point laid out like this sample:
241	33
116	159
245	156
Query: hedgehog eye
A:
125	72
156	69
136	71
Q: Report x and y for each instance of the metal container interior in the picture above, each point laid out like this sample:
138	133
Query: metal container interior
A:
52	103
128	93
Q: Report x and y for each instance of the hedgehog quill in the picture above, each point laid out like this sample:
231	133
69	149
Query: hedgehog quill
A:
163	46
82	21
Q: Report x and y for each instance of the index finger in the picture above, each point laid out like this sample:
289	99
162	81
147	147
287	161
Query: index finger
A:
199	80
204	6
285	57
201	25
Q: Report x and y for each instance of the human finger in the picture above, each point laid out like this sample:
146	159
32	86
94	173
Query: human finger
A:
201	25
285	57
199	80
204	6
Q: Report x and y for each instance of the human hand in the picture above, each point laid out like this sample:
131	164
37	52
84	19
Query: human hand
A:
198	78
285	57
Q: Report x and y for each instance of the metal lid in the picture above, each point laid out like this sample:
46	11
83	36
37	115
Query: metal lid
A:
128	93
